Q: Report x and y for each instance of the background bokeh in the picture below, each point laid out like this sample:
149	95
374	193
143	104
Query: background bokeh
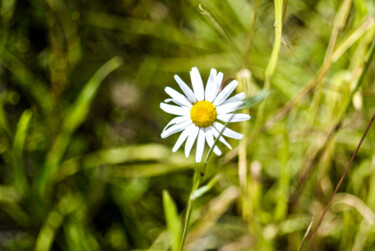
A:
83	166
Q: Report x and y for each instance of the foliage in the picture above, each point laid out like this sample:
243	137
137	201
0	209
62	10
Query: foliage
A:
82	163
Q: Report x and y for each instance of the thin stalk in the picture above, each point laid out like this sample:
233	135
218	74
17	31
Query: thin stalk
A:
340	21
245	85
219	27
306	90
189	209
338	186
198	175
242	169
306	234
284	9
284	179
203	170
271	66
333	131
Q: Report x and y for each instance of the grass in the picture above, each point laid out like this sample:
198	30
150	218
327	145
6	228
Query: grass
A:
82	164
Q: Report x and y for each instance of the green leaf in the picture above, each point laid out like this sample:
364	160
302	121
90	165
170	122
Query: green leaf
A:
172	218
74	118
254	100
18	144
204	189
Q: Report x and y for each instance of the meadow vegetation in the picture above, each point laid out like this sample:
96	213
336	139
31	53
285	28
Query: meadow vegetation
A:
83	166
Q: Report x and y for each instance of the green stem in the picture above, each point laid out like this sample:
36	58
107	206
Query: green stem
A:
198	175
197	180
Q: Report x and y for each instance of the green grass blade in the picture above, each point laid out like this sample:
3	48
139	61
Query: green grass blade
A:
172	219
54	220
80	108
74	118
18	144
204	189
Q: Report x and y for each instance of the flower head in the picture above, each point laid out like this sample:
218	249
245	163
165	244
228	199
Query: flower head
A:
199	110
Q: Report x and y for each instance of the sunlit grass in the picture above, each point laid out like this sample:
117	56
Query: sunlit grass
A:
83	166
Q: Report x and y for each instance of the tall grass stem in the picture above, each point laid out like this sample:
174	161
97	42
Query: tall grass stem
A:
338	186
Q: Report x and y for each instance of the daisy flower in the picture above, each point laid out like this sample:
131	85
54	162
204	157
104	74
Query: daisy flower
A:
199	111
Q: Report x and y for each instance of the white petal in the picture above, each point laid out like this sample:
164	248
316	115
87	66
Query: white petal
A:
210	141
176	110
176	128
225	93
181	99
176	120
240	96
191	139
185	88
230	107
169	100
183	136
237	117
210	83
216	134
227	132
197	83
200	145
216	87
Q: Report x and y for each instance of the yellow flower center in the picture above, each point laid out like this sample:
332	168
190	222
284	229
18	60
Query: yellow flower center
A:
203	113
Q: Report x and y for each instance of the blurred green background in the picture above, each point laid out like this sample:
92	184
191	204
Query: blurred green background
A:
82	163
